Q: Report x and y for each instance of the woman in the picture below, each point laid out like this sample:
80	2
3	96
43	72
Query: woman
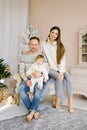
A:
27	59
55	53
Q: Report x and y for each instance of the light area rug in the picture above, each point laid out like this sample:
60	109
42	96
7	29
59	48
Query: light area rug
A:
9	112
50	119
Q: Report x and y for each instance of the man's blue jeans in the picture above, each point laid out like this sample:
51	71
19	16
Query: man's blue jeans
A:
23	90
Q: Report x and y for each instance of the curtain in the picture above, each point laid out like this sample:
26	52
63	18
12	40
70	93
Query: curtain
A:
13	20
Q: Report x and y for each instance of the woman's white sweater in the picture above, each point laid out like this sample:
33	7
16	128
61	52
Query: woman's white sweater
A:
50	51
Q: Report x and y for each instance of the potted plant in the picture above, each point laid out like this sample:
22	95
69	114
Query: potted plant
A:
4	74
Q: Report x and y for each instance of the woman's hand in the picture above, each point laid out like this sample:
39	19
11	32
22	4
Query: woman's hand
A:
36	74
28	83
60	76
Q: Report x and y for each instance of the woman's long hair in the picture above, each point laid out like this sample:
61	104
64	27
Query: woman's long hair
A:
60	47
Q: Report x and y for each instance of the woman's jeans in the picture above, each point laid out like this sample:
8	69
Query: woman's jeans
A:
60	85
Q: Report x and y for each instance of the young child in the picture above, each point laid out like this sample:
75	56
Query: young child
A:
40	66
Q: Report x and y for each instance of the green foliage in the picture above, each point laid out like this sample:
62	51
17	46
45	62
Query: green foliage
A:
3	86
4	72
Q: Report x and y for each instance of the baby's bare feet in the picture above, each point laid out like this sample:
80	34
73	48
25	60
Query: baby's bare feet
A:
40	87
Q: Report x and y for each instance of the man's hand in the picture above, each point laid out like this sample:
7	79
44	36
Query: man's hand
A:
36	74
28	83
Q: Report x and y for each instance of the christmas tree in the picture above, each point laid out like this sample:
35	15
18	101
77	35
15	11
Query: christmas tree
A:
4	73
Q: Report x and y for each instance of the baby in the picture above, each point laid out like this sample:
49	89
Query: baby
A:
38	66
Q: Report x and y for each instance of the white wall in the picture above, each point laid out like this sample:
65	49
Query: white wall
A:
69	15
